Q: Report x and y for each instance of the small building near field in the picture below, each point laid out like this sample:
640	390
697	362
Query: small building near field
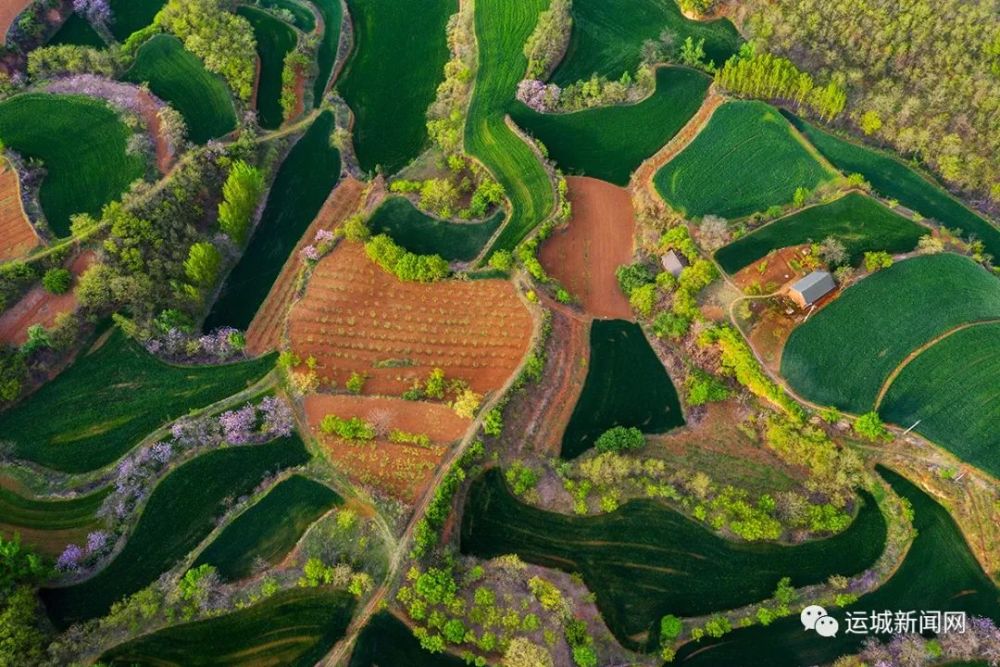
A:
674	262
812	288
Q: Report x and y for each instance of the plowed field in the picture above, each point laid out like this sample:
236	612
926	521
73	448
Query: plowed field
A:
17	236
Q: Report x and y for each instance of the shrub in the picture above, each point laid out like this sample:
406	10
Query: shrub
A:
704	388
670	629
870	427
632	276
403	264
620	438
643	298
493	422
522	478
502	260
355	383
353	428
876	261
57	281
671	325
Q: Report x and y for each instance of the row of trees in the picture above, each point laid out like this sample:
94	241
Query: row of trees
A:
546	44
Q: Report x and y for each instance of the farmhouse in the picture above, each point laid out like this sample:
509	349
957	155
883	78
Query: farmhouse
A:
674	263
812	288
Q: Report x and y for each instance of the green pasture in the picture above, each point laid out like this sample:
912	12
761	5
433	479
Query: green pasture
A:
425	235
747	159
891	177
502	28
81	141
646	560
303	183
17	511
177	76
844	353
294	628
78	31
856	220
626	385
109	399
391	78
303	18
608	35
953	389
179	514
610	142
275	39
939	573
268	530
386	641
326	54
132	15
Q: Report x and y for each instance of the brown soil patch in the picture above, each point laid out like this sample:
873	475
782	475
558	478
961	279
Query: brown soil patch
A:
400	470
17	236
355	317
599	238
300	95
769	333
9	9
774	271
265	331
41	307
148	108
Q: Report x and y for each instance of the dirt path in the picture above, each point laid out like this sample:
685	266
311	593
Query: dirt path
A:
41	307
17	236
9	9
149	109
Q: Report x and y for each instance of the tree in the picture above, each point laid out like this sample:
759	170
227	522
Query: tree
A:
632	276
240	195
870	426
521	652
203	263
693	53
12	373
670	629
619	439
832	251
57	280
439	196
714	232
876	261
871	122
704	388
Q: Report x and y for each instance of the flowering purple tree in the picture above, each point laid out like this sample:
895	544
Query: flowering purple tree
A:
278	419
239	426
539	96
69	560
95	11
96	542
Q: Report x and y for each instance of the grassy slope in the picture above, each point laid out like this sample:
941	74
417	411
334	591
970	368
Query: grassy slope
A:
608	35
626	386
856	220
82	143
293	628
269	529
425	235
844	353
100	407
952	388
274	40
386	641
178	77
745	160
502	28
646	560
326	54
939	573
77	30
398	61
610	142
131	15
180	513
303	18
892	178
303	183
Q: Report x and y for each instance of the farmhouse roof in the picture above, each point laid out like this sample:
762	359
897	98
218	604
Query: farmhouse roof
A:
814	286
674	263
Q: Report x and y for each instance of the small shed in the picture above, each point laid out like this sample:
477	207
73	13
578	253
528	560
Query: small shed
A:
812	288
674	262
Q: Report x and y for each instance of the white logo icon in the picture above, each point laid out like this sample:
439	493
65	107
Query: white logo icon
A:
815	618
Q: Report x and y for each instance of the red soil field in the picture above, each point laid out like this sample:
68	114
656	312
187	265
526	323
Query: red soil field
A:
599	238
17	236
40	307
355	317
777	271
400	470
9	9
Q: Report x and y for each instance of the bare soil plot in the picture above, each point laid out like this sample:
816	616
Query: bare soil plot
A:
773	272
599	238
17	236
41	307
355	317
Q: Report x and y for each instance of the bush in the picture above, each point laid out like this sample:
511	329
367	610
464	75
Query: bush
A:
403	264
643	298
870	427
521	478
620	438
353	428
876	261
670	629
355	383
704	388
57	281
502	260
632	276
671	325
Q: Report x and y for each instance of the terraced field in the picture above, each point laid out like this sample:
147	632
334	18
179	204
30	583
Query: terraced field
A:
131	15
608	36
502	28
610	142
275	39
747	159
177	76
646	560
856	220
180	513
425	235
269	530
394	43
49	525
387	641
293	628
626	386
111	398
326	54
81	142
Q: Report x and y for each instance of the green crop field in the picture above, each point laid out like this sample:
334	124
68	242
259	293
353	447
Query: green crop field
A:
610	142
386	641
303	18
178	77
81	512
856	220
303	183
420	233
180	513
646	560
77	30
893	178
326	54
626	386
608	36
502	28
844	353
275	39
747	159
268	530
952	389
106	402
391	79
294	628
939	573
132	15
81	141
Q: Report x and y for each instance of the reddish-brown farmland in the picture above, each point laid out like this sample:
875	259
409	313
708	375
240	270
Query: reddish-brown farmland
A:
355	317
17	236
41	307
584	255
9	9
